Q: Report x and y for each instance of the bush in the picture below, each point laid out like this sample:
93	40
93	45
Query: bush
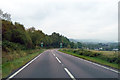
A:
83	52
117	61
7	46
112	59
93	54
87	53
80	53
109	58
74	51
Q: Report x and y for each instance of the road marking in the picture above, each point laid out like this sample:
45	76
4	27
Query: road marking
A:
71	76
23	67
58	60
53	54
105	67
101	66
95	64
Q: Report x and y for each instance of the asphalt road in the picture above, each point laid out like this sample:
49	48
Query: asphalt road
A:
55	64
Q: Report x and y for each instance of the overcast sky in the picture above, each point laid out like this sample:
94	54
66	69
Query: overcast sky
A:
77	19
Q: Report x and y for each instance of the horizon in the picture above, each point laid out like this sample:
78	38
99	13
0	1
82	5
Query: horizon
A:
93	40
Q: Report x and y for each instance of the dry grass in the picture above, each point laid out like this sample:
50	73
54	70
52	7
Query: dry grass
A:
10	56
15	61
107	53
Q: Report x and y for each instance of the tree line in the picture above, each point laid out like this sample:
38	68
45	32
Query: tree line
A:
15	33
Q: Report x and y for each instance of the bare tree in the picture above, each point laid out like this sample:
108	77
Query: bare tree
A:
5	16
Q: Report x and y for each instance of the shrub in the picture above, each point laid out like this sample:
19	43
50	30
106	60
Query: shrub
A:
111	59
74	51
117	61
93	54
7	46
80	53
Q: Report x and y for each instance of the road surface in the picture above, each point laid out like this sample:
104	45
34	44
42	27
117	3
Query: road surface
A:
55	64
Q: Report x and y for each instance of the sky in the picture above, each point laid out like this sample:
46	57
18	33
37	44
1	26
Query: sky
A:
76	19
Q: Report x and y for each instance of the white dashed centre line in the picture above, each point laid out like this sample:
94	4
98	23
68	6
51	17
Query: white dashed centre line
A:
71	76
53	54
58	60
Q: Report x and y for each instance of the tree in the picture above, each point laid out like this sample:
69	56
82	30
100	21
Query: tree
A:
15	33
37	36
5	16
72	44
32	38
79	45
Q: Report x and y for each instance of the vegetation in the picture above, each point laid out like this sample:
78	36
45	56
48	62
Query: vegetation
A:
111	60
19	45
16	38
31	38
101	46
12	65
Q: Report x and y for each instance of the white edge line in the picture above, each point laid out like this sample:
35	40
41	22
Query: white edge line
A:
23	67
71	76
100	66
96	64
58	60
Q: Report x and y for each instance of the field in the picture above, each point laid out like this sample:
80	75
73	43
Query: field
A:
106	53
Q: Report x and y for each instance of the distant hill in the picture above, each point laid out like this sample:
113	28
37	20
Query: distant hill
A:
89	41
73	40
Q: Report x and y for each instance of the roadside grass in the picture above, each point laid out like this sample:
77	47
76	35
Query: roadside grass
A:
94	59
10	66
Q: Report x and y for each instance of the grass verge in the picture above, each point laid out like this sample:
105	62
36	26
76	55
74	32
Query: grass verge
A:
9	67
94	59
